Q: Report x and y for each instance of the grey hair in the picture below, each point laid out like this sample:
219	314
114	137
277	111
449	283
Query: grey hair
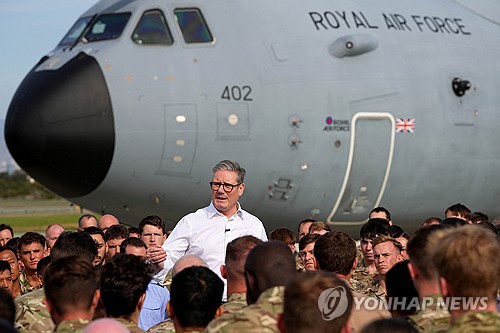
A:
228	165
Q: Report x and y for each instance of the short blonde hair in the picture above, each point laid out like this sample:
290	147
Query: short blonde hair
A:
318	226
384	238
469	260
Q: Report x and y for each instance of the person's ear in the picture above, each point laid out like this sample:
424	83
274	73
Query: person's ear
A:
354	264
95	300
47	303
170	311
414	273
223	271
445	287
219	312
250	280
346	328
140	303
281	323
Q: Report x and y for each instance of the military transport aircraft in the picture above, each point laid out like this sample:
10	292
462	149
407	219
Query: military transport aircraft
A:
333	107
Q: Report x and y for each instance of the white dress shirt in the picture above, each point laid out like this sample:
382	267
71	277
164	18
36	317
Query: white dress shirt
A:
206	232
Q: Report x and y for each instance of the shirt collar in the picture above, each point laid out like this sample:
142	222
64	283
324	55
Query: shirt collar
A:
212	211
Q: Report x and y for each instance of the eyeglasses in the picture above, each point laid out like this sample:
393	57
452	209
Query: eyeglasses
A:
227	187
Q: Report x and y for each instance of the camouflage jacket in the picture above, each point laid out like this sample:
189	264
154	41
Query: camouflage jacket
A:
476	322
25	284
298	262
374	290
31	313
362	280
235	302
359	256
71	326
167	281
166	326
431	318
262	316
130	325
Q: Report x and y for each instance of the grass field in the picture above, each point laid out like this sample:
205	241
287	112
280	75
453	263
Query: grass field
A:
36	215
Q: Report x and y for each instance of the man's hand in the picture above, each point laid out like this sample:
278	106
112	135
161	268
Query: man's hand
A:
156	256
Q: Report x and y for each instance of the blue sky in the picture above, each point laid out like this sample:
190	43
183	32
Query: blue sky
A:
29	29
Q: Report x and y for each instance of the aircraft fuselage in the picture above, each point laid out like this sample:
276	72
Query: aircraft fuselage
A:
332	107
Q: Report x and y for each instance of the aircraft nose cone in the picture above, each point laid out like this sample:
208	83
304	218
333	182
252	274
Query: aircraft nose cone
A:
60	128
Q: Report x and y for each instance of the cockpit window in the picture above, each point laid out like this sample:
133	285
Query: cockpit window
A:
152	30
75	32
107	26
193	25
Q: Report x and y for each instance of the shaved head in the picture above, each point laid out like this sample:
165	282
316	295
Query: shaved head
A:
107	221
187	261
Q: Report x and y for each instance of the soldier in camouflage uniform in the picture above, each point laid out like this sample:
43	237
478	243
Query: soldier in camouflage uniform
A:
235	302
265	285
72	326
472	322
364	277
302	310
71	293
471	253
32	315
233	271
166	326
196	295
124	280
26	287
336	252
11	257
387	253
130	325
31	248
374	290
431	317
167	281
298	262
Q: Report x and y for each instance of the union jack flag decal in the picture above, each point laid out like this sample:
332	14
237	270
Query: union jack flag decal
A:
405	125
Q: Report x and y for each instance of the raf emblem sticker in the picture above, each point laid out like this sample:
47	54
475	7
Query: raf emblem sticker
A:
337	125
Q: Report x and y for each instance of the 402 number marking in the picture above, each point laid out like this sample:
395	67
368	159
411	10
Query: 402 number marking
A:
237	93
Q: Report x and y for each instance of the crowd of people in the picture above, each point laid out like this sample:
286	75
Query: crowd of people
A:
217	271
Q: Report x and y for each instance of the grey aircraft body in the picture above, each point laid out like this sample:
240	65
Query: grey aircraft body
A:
333	106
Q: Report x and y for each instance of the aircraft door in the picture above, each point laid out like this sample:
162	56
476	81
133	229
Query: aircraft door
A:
368	167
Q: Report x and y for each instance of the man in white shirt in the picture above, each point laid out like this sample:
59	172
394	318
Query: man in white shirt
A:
207	231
